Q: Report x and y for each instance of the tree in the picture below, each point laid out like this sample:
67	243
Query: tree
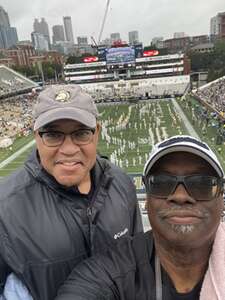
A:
48	70
25	70
212	62
73	60
200	61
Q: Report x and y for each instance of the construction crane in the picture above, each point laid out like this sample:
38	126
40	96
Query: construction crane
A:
95	44
103	22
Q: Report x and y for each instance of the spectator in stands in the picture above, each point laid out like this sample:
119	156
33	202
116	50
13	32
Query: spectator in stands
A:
66	203
183	256
15	117
214	94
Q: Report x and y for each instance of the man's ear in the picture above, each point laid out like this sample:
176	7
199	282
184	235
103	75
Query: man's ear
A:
97	131
98	127
147	201
35	133
146	204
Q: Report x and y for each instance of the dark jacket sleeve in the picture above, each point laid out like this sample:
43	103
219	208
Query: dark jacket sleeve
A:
89	281
137	220
4	271
135	211
126	190
106	276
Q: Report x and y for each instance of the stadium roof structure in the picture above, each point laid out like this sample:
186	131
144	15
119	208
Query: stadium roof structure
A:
13	83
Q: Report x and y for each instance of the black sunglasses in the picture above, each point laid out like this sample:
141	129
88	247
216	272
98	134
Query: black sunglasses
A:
199	187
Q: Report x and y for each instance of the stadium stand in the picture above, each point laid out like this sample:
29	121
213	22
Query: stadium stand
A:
15	119
13	83
15	105
140	89
213	94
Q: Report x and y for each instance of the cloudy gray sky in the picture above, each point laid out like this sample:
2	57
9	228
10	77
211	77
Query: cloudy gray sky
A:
150	17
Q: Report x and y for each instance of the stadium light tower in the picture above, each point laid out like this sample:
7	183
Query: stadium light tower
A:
103	22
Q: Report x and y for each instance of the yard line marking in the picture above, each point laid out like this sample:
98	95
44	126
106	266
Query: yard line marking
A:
16	154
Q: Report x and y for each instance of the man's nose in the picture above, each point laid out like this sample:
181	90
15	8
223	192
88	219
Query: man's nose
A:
180	195
68	146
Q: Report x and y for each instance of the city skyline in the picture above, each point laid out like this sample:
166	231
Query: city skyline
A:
150	19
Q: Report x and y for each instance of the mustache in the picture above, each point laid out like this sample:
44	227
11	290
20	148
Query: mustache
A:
68	161
179	210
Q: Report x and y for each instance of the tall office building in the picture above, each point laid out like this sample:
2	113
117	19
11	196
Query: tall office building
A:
4	18
157	42
58	34
42	28
179	35
68	29
214	26
133	37
8	35
39	41
3	37
115	37
12	37
82	40
217	25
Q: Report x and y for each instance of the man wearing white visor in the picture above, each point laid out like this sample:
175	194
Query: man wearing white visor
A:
183	256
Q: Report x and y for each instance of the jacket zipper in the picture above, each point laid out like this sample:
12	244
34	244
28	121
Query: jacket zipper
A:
89	216
89	210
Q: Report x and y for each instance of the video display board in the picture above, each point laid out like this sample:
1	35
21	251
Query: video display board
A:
138	49
120	56
102	53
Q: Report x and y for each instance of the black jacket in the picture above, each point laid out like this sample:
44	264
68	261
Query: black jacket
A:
46	229
125	271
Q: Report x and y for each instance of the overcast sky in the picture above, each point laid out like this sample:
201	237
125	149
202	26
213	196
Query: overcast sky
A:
150	17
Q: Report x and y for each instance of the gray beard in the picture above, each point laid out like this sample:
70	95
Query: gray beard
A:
182	229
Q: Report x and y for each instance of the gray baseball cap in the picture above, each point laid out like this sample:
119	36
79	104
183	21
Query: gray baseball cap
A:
67	101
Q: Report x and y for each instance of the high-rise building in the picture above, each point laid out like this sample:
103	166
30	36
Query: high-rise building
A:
157	42
217	25
36	25
106	42
64	47
3	37
58	34
115	37
4	18
133	37
82	40
68	29
39	41
12	37
8	35
42	28
179	35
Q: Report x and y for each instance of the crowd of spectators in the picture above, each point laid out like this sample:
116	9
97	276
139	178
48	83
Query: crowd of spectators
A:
15	118
214	95
15	111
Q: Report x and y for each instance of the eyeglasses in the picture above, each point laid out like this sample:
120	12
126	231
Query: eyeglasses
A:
79	137
199	187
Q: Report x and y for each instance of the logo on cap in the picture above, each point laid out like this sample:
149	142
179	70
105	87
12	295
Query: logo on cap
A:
62	96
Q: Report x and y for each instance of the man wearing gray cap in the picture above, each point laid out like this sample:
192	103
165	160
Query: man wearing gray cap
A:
66	203
183	256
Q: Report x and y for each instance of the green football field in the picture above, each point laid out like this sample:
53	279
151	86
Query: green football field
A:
129	131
